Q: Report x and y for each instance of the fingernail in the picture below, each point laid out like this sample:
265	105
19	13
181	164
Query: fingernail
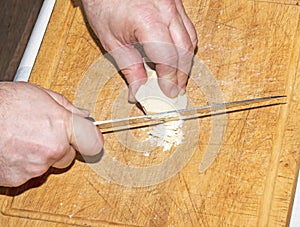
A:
174	92
133	88
168	88
131	98
182	92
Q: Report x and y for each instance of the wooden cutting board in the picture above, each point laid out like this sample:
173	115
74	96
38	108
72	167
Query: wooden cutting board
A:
246	49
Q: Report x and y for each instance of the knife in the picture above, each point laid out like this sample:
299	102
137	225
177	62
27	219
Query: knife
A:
185	114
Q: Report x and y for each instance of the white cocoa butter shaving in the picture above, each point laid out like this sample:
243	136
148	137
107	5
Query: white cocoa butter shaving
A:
153	100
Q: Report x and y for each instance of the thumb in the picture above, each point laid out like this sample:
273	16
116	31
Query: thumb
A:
63	101
84	136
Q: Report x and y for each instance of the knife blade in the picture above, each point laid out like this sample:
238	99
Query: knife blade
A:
185	114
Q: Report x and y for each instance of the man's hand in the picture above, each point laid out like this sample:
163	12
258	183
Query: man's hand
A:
162	27
39	129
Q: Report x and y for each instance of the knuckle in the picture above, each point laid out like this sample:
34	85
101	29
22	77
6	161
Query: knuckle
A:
185	56
187	51
167	56
56	152
170	6
37	170
185	63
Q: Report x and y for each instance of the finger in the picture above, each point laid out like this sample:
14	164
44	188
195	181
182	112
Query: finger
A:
63	101
66	160
84	136
185	51
130	62
187	23
158	46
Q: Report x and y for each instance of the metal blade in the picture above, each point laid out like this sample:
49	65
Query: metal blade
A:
184	114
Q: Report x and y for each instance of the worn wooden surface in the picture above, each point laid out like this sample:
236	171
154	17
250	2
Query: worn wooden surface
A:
17	20
252	50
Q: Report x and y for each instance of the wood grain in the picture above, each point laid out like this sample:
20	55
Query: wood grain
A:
17	20
252	50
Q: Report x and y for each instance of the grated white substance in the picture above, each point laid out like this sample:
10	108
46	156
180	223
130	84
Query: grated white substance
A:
154	100
167	135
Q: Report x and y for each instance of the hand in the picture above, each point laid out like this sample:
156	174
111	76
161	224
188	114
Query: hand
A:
162	27
39	129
